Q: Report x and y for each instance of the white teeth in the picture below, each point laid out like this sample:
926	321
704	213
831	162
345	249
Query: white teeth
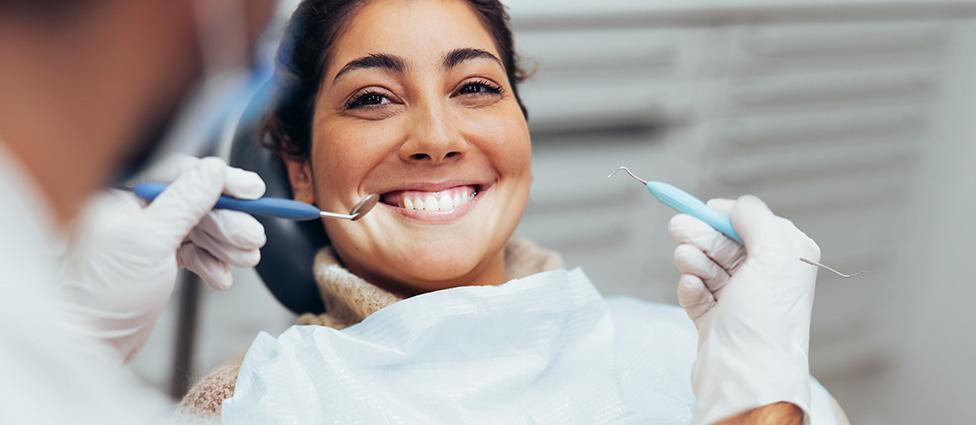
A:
446	203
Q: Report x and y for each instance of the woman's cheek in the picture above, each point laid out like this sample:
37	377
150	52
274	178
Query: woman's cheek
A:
348	152
505	138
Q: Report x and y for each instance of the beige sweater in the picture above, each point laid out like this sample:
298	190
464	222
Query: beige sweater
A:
348	300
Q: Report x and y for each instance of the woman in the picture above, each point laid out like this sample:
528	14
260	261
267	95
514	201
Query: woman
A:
416	101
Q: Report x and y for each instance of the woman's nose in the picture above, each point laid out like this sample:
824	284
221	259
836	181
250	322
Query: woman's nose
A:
433	140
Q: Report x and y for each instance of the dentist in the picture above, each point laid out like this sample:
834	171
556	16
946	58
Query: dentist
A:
92	90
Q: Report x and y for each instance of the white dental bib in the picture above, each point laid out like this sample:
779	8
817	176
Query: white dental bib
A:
545	349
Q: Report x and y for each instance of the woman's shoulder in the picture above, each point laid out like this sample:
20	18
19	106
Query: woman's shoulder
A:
207	395
205	398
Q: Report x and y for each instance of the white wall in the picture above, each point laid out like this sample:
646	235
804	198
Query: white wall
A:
934	314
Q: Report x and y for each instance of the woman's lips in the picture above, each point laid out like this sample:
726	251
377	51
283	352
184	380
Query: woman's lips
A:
434	206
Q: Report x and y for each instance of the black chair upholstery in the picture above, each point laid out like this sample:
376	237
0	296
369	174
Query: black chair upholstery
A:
286	259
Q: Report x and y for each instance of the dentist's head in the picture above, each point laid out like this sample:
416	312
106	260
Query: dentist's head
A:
91	86
415	100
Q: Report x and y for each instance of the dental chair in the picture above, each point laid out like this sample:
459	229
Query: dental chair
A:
286	259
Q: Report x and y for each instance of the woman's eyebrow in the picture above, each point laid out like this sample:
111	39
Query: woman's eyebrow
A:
456	56
376	60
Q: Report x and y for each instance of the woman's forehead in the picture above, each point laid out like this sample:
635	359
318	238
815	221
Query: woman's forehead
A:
421	32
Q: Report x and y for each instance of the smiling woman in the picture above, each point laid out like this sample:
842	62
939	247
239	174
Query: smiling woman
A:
416	101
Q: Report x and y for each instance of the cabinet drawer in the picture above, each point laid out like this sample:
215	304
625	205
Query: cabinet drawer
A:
776	167
817	91
775	49
834	39
834	126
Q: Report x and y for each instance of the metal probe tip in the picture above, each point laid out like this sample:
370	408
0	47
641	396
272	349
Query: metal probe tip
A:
614	172
831	269
359	210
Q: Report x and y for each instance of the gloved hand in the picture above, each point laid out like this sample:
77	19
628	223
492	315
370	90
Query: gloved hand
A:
751	305
121	267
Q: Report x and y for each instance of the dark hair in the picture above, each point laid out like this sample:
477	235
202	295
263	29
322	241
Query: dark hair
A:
305	50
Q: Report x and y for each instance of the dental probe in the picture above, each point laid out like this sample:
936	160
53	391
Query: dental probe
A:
270	207
683	202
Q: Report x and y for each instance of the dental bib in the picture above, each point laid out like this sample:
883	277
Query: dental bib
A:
545	349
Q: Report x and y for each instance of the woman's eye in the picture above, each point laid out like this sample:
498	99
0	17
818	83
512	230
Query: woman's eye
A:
366	100
479	88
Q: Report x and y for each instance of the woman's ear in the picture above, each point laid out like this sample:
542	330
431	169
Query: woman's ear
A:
300	177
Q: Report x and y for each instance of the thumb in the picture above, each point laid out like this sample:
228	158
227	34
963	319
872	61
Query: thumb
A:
756	225
184	202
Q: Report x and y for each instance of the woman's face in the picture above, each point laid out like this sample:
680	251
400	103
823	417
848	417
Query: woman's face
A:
415	106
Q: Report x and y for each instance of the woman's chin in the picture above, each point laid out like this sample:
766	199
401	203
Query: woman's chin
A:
440	268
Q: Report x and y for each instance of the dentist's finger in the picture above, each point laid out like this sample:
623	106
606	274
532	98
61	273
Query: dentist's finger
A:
239	183
228	254
234	228
724	206
243	184
721	205
690	260
806	246
213	271
185	201
759	228
693	296
685	229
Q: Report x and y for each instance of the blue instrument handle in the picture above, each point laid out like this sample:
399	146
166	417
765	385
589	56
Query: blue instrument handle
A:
683	202
269	207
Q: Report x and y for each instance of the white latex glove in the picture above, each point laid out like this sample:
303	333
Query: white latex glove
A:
122	266
752	308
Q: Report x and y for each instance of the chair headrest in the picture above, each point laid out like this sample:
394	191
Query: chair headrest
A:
287	258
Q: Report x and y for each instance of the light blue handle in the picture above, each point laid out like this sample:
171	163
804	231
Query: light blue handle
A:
270	207
683	202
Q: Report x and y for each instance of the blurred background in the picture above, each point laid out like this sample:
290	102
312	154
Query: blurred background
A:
855	119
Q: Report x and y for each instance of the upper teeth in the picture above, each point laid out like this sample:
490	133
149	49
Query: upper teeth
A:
440	201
